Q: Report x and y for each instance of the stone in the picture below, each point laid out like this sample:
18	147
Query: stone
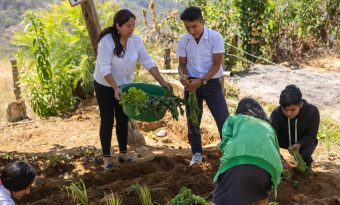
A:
16	111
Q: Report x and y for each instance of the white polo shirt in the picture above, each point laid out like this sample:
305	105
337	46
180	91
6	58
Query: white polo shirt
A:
199	56
122	69
5	196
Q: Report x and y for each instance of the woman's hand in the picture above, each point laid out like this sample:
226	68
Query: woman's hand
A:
167	85
118	93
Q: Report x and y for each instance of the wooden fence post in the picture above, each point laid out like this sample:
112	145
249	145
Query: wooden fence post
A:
92	23
167	59
15	74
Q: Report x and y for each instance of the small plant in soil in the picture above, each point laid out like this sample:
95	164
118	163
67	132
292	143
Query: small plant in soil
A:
185	197
78	192
113	199
143	193
57	159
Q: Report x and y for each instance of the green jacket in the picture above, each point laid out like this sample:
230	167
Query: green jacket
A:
248	140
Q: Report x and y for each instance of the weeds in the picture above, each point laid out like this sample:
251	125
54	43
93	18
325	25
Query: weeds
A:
78	192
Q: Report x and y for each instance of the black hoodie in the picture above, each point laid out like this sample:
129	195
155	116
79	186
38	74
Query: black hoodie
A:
304	133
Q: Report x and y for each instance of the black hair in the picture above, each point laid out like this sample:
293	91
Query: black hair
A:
191	14
17	176
291	95
249	106
120	18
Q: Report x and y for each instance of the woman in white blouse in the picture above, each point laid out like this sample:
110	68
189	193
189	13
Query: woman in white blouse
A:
118	52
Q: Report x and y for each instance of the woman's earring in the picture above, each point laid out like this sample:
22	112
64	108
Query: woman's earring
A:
118	32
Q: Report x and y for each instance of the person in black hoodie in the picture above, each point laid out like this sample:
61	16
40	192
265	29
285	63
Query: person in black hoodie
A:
296	123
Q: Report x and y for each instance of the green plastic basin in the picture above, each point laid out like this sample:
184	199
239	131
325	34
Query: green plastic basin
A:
150	89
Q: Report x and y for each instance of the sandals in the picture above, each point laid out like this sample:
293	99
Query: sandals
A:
129	160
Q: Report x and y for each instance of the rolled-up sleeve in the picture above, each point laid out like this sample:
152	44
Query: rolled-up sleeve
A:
105	55
180	51
143	56
218	44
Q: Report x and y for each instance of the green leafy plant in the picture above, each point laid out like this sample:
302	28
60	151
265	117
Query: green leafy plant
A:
55	55
113	199
301	166
193	108
78	192
145	103
185	197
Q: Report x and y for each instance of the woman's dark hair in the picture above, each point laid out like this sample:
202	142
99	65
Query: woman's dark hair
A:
121	17
17	176
291	95
191	14
249	106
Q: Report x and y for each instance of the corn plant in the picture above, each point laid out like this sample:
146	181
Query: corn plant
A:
78	192
113	199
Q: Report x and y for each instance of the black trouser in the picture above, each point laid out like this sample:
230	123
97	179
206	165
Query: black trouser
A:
213	95
109	108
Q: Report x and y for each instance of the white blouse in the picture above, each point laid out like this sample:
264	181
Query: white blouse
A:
5	196
122	69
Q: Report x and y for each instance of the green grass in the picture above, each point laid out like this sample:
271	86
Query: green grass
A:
329	131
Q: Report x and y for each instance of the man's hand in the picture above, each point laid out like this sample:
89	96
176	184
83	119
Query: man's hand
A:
194	85
295	147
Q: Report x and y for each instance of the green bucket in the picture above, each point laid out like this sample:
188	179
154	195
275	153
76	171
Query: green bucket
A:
150	89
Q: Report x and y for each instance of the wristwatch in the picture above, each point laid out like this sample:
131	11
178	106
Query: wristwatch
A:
204	81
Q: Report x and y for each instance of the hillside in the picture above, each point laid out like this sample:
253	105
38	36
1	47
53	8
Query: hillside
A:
11	14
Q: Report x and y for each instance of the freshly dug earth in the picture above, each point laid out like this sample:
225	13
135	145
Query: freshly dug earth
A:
162	165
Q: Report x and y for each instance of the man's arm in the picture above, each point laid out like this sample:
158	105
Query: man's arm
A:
217	62
313	129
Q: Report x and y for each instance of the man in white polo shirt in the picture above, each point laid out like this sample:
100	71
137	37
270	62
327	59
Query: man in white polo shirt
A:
200	53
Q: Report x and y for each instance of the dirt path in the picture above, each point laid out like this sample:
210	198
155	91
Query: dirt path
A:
266	82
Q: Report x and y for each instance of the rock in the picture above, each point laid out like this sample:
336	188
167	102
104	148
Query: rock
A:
16	111
161	133
149	126
135	137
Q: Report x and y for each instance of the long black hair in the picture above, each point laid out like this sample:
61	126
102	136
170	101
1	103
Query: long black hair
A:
249	106
17	176
121	17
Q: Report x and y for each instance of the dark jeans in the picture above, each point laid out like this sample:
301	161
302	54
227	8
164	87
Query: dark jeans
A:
109	109
213	96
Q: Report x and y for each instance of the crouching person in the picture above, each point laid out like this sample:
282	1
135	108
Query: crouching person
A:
15	182
296	123
250	163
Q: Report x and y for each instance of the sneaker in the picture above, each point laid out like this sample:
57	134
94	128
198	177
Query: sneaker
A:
196	158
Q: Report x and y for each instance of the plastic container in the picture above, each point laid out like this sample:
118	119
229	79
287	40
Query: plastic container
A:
150	89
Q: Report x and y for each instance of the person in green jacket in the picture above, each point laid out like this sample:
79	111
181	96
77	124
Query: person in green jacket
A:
251	162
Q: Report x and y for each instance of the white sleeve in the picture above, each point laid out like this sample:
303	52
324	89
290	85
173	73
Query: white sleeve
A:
218	44
143	56
181	52
105	55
